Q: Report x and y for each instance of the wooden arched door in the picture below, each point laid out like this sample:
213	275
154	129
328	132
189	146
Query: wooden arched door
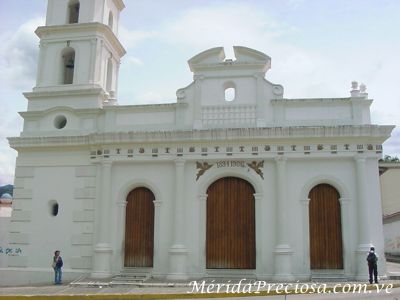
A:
326	250
230	225
139	228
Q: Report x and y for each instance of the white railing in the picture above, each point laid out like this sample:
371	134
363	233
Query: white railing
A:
227	115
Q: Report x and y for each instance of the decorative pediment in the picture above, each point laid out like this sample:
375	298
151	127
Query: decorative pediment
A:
215	58
210	56
244	54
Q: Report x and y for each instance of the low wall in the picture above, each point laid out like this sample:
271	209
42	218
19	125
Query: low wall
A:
4	226
392	237
26	276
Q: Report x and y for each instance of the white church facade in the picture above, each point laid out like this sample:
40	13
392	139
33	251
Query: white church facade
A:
232	180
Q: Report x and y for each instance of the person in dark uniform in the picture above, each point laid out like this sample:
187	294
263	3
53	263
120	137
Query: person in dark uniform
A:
372	260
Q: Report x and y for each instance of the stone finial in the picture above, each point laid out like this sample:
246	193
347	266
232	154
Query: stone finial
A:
358	91
354	85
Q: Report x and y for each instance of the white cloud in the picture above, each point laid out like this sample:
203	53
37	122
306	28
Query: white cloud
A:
245	25
18	55
130	61
392	146
222	25
131	38
303	70
8	127
151	98
294	4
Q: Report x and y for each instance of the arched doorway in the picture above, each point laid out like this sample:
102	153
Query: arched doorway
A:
326	249
139	228
230	225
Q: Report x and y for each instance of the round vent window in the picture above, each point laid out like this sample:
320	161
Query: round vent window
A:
230	94
53	208
60	122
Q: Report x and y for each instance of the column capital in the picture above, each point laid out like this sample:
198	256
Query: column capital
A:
43	44
305	202
198	78
121	203
360	158
157	203
280	159
179	162
202	197
344	201
258	196
106	163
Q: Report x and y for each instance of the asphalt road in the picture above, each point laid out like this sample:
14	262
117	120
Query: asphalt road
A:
394	295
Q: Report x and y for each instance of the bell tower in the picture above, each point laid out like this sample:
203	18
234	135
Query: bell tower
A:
79	55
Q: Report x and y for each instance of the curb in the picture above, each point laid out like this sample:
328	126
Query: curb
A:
328	290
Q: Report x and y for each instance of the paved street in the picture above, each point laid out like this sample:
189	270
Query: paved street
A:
393	296
181	292
173	293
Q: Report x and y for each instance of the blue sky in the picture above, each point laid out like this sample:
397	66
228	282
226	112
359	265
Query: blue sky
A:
317	49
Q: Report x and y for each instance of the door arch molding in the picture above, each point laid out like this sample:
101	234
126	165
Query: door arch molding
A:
139	228
230	224
325	228
346	199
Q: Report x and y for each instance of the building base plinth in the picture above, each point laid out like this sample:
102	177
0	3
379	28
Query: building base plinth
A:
361	262
283	264
178	260
102	261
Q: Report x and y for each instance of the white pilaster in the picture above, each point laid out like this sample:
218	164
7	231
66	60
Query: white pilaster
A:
347	254
283	251
93	43
42	54
120	232
178	251
362	218
261	223
201	225
198	123
305	204
260	111
103	250
157	231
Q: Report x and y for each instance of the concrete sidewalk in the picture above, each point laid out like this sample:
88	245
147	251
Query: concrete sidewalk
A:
150	290
68	292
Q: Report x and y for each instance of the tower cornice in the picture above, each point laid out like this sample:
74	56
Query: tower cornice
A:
119	4
43	32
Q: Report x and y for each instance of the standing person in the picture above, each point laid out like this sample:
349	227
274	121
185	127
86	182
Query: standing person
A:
57	265
372	260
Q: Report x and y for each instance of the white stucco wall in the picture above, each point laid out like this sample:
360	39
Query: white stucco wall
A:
105	150
4	231
392	237
390	192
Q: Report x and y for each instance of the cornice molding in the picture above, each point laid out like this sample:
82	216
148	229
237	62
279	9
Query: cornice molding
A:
62	90
377	132
43	32
349	100
120	4
40	114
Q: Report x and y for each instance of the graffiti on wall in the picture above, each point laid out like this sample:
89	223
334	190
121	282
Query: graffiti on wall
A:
10	251
392	244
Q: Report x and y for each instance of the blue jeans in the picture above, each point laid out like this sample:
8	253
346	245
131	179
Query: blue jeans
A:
57	275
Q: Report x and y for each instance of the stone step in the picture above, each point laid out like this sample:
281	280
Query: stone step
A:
130	276
128	279
143	271
328	276
394	275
